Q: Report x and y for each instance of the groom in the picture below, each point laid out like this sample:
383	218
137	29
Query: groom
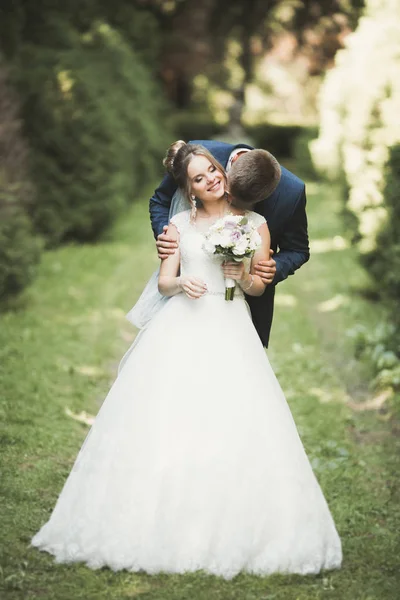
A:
284	209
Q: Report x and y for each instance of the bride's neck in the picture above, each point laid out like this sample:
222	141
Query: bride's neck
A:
214	209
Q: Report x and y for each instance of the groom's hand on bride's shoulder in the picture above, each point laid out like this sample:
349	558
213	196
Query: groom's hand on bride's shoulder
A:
266	269
165	244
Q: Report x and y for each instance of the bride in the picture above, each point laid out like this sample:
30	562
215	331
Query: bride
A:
194	460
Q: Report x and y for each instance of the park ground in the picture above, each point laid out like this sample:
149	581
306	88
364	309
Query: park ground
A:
59	350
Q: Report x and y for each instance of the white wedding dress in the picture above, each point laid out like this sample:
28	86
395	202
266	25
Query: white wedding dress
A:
194	460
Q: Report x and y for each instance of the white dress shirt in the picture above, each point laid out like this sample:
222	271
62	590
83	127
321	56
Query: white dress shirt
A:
233	154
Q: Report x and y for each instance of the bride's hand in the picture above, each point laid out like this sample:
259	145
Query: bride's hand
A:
191	286
234	270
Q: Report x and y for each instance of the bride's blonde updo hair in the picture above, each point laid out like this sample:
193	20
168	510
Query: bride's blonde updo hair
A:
177	160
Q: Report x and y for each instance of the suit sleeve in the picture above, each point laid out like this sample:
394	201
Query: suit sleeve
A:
293	244
160	203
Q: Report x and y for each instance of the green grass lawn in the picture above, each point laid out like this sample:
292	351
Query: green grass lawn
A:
60	348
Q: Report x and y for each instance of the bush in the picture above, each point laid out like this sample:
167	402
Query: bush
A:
380	348
280	140
19	248
191	125
360	104
384	261
302	155
383	264
19	251
359	143
93	117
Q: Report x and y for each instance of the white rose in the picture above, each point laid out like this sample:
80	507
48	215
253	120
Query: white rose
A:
240	247
215	238
225	240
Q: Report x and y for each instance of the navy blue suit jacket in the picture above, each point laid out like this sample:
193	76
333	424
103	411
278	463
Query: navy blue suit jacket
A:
285	213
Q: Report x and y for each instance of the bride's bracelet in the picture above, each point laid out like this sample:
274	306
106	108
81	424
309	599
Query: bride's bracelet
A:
245	289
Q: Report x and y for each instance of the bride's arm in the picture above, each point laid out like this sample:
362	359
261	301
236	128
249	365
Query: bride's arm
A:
255	286
169	283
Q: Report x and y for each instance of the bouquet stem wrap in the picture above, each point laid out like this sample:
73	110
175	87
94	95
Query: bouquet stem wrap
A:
230	286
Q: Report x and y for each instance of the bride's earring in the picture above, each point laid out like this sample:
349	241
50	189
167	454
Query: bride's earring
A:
194	207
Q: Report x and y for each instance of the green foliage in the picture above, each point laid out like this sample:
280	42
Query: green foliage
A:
192	125
139	26
384	261
19	247
93	118
360	104
302	155
19	251
281	140
359	143
382	346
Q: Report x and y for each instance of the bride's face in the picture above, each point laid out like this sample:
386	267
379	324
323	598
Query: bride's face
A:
206	181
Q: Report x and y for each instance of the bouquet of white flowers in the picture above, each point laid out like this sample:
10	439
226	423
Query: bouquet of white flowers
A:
235	238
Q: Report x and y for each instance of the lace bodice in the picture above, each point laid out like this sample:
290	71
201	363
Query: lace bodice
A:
195	261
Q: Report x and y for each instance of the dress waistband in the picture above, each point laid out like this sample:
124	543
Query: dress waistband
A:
238	293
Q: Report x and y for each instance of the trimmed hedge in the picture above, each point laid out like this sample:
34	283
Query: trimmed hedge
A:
93	118
19	247
383	262
280	140
301	153
20	251
360	105
192	125
382	346
359	143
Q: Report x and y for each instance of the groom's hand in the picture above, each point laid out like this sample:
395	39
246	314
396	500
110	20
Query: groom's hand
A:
165	244
266	269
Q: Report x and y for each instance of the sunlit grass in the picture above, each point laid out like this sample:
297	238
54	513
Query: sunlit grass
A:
333	303
59	352
285	300
337	242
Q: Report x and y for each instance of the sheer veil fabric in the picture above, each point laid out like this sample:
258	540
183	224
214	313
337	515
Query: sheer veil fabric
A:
150	301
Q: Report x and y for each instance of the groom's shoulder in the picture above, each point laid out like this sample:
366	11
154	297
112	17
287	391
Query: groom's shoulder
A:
290	181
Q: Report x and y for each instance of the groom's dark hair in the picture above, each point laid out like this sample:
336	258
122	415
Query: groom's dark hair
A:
253	177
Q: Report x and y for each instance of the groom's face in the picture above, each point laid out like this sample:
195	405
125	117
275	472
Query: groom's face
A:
253	178
236	202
